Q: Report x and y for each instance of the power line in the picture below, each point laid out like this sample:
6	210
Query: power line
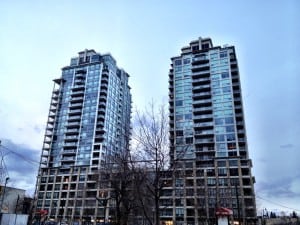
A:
278	204
31	161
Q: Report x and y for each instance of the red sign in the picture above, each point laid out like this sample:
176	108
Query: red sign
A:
42	212
223	212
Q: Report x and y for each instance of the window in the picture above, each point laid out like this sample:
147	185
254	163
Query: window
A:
220	130
205	46
41	195
81	178
223	181
230	137
179	103
220	138
222	172
186	61
229	129
225	74
226	89
188	116
229	120
221	146
178	62
179	141
189	140
219	121
55	194
48	194
195	48
221	163
179	132
211	181
178	182
231	146
223	54
234	172
233	163
179	117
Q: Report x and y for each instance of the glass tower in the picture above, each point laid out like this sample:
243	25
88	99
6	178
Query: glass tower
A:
208	145
89	120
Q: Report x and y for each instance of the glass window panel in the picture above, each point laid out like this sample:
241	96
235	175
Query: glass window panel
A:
220	138
229	120
230	137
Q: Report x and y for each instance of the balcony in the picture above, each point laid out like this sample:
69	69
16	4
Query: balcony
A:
203	117
50	126
46	147
47	141
104	80
204	132
69	152
99	138
78	88
76	105
207	124
71	137
198	68
73	124
77	94
53	103
76	99
201	74
202	110
80	71
104	85
202	94
201	80
200	60
52	108
72	131
75	112
49	133
204	140
52	115
102	104
68	158
74	118
202	102
101	111
102	98
201	87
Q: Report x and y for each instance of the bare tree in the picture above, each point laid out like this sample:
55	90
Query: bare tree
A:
116	179
136	179
150	139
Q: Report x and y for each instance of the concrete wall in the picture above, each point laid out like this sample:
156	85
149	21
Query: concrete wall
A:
14	219
11	198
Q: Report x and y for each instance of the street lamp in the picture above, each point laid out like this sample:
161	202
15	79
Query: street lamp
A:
2	199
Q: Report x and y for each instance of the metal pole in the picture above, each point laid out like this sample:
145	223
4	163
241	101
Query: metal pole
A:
16	209
2	199
238	203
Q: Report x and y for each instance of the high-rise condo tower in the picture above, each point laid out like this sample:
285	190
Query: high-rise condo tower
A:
208	140
89	120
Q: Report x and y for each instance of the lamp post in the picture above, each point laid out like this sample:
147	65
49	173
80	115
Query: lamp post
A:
2	199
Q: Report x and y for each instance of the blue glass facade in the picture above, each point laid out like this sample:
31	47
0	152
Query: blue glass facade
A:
89	120
208	144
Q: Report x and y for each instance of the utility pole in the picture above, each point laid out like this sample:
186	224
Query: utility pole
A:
2	199
238	203
3	169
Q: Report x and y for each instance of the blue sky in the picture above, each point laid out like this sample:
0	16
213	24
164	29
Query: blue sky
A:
38	38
